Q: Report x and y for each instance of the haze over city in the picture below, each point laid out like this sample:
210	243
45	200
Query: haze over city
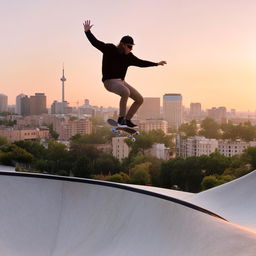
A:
209	47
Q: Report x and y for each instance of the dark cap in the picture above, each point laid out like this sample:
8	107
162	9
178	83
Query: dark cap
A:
127	40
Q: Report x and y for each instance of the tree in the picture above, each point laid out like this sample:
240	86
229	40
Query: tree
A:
245	131
186	174
140	174
209	182
192	174
230	131
216	163
249	156
209	128
106	164
154	168
57	157
215	180
82	167
189	129
236	172
172	172
248	131
33	147
100	136
53	133
158	136
78	148
119	178
3	141
11	153
143	142
41	165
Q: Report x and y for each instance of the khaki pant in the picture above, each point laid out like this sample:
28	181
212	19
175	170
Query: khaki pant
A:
124	90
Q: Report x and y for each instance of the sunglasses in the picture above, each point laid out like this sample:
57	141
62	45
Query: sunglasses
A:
129	46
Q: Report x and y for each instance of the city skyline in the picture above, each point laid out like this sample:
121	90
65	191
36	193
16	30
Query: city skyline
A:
209	47
82	103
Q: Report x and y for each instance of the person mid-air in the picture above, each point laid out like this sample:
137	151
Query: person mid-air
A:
116	60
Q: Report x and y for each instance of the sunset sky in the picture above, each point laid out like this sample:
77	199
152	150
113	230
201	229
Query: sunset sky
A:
210	47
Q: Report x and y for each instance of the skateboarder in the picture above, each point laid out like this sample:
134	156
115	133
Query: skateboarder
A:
116	60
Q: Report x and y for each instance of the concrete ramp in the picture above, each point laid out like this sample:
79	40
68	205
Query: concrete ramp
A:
235	201
57	216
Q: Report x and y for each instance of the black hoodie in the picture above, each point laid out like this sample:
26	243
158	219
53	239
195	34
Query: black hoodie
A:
115	63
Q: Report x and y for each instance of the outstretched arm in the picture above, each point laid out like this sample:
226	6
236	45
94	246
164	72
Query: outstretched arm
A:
144	63
93	40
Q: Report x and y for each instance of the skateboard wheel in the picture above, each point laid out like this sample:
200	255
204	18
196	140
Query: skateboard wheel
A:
115	131
133	139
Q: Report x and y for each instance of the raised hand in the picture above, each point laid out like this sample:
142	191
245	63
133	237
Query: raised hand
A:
162	63
87	25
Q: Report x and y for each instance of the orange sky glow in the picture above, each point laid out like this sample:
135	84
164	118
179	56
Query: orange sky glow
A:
210	47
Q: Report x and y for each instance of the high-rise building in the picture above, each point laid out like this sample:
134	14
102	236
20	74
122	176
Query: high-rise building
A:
218	114
18	103
59	107
150	109
195	110
172	109
232	113
25	106
3	103
86	102
38	104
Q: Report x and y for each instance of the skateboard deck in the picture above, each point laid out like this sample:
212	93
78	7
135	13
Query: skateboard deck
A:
117	130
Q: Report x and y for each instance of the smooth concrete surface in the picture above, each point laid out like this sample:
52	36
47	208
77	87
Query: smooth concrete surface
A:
168	192
235	201
4	168
56	216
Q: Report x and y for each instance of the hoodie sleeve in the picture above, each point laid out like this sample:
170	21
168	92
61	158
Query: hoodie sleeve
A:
134	61
95	42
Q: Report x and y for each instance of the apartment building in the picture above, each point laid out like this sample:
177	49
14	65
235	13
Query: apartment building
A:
12	134
66	127
149	125
197	146
231	148
120	149
159	151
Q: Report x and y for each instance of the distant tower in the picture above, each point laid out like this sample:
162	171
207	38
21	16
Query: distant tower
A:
18	103
195	110
150	108
172	109
63	79
3	102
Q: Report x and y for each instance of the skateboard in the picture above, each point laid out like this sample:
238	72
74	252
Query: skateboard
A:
130	132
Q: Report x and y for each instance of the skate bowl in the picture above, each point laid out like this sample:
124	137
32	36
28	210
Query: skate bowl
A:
59	216
235	200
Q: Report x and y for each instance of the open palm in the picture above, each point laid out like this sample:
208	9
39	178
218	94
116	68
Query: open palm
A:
87	25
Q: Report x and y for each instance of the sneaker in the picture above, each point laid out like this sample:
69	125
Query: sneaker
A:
130	124
121	122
